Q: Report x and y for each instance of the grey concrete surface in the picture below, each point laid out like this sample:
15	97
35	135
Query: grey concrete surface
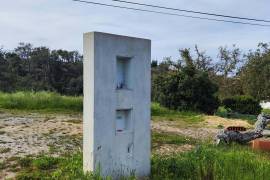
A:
117	86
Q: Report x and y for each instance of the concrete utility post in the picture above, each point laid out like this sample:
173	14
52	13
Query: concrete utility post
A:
116	127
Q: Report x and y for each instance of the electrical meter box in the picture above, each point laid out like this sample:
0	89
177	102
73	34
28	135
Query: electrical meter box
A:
116	117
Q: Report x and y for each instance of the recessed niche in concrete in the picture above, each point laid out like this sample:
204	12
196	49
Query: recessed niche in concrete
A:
116	115
123	122
123	73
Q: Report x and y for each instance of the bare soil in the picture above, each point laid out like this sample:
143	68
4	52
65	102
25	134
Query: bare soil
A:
35	133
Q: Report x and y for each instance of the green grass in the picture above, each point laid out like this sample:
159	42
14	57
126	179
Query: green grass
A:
53	102
45	101
211	162
266	111
160	138
161	113
2	165
46	167
205	162
222	112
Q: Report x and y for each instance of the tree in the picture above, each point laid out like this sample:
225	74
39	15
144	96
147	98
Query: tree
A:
24	51
255	74
227	72
229	61
183	87
39	68
154	64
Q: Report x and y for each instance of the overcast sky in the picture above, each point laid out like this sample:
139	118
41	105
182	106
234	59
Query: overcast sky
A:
61	24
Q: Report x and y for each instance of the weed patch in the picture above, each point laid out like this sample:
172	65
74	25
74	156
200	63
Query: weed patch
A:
161	113
46	163
46	101
66	167
211	162
4	150
2	165
25	162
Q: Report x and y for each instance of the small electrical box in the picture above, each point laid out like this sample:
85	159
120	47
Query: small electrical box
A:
123	121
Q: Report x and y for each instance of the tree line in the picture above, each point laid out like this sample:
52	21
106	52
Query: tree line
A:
28	68
232	73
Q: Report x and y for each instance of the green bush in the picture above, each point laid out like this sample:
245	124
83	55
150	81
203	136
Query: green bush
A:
242	105
223	112
186	89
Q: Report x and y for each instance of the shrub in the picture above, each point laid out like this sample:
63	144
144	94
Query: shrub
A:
186	89
223	112
242	105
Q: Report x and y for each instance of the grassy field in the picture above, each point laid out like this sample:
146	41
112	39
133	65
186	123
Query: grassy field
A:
53	102
205	161
40	101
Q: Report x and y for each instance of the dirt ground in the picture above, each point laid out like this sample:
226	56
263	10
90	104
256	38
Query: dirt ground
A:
34	133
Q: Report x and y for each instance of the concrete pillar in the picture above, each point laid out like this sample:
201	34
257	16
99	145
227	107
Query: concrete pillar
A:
116	123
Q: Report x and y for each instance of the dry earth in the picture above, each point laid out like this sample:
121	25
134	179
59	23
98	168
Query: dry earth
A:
34	133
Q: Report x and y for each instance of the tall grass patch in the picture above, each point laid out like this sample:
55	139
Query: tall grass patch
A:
210	162
40	101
